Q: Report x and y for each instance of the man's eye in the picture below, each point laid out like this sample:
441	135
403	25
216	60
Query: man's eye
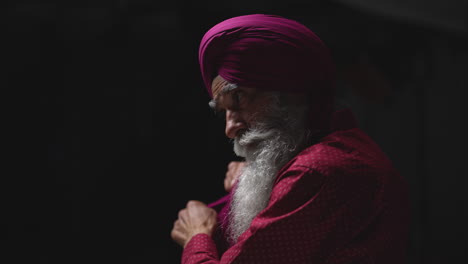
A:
220	114
238	98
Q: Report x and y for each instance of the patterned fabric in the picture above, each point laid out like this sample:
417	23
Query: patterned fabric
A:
268	52
338	201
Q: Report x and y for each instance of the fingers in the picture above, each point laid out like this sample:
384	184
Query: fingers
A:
235	165
196	218
193	203
179	234
183	216
197	210
227	184
180	230
233	172
232	164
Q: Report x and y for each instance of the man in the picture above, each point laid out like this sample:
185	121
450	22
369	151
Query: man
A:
314	188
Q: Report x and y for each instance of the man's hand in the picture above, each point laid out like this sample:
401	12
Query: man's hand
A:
196	218
234	171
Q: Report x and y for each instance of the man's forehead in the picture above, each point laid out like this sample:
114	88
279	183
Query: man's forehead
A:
217	85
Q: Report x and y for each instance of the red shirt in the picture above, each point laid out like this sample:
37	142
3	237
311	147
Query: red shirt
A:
338	201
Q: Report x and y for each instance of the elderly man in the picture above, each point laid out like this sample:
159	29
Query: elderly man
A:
314	188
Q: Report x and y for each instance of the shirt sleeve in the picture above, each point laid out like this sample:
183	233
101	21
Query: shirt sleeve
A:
200	249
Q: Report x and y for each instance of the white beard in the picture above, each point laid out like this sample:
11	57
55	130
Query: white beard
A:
267	147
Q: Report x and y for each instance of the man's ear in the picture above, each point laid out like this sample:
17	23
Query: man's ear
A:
296	98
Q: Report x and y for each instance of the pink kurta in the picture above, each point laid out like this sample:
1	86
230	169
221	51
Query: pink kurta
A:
338	201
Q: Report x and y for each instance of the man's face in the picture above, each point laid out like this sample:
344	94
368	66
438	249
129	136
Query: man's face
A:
268	129
242	106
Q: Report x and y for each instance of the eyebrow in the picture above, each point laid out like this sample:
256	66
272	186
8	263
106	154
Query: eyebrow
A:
213	103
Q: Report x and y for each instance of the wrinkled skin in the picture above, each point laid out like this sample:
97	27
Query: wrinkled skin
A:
196	218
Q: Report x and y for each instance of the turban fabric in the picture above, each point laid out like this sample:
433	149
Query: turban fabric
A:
270	52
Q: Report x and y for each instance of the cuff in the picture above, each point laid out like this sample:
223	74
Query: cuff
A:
201	248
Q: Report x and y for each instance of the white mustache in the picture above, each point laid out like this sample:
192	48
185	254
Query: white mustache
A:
255	135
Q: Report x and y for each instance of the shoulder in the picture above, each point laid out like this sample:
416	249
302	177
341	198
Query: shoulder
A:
340	151
343	158
344	165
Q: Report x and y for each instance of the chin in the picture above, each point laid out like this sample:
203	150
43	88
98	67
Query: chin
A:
245	150
240	150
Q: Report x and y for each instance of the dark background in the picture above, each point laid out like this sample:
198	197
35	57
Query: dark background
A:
108	130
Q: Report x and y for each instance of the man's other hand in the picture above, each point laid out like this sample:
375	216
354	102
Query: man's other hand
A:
234	171
196	218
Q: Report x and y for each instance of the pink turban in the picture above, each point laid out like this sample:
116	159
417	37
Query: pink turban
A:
270	52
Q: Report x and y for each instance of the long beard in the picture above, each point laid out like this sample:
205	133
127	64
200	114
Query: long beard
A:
267	147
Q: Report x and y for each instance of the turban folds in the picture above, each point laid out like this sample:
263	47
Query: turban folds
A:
269	52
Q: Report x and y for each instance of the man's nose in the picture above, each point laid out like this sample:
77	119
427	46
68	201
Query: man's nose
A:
233	124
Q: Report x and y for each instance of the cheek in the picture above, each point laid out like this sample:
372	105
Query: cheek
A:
252	118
